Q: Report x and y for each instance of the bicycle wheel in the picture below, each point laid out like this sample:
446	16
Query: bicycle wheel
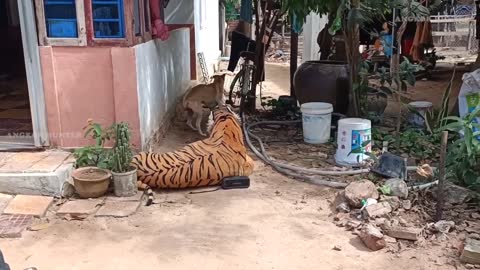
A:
234	94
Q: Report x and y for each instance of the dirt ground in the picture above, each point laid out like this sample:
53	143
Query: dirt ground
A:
278	223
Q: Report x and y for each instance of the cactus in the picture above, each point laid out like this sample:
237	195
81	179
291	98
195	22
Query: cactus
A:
121	155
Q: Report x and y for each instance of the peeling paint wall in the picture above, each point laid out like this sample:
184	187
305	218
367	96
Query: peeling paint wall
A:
88	83
207	32
163	74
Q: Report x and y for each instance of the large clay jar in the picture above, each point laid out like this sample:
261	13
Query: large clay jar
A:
323	81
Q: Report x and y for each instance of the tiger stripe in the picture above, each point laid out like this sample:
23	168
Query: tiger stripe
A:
202	163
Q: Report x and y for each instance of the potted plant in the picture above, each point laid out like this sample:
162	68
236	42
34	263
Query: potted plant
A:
91	177
124	175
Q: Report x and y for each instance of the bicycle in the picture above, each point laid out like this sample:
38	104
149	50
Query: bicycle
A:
239	93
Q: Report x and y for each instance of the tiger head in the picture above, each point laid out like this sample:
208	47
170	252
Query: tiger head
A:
225	119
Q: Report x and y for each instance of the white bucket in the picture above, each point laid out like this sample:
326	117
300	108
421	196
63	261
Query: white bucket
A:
354	139
421	107
316	120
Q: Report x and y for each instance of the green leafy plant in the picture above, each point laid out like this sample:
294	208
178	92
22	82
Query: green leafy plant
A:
94	155
414	143
463	159
385	190
434	118
121	154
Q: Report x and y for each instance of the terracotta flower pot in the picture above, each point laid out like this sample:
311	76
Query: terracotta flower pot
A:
91	182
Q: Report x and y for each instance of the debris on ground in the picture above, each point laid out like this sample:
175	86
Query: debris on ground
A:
378	210
397	187
444	226
337	248
471	251
357	191
404	233
372	237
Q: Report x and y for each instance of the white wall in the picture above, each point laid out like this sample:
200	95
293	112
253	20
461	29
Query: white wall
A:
163	74
311	28
179	12
207	31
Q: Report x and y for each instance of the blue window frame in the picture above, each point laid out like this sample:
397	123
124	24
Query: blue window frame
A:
61	18
108	19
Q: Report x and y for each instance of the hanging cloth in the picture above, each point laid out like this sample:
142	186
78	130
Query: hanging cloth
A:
246	11
416	50
426	39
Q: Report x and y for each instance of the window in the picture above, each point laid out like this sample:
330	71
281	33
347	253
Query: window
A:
136	18
92	22
61	18
108	18
141	20
61	22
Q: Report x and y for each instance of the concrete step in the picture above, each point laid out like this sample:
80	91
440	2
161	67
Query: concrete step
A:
35	173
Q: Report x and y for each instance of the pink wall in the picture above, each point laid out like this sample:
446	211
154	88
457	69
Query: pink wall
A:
83	83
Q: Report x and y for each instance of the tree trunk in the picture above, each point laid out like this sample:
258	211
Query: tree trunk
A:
293	59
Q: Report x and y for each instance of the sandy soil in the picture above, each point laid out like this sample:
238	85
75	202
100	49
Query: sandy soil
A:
278	223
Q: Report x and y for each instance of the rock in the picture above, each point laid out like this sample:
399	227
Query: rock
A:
357	191
407	204
337	248
372	238
471	251
454	194
389	239
444	226
380	221
68	190
469	266
378	209
474	236
352	225
402	222
398	187
404	233
394	201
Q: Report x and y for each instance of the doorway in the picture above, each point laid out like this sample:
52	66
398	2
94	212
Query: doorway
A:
22	104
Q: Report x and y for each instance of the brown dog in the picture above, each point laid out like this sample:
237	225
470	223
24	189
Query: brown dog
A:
201	97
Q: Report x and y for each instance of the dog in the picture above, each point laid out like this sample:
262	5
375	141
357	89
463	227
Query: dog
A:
203	98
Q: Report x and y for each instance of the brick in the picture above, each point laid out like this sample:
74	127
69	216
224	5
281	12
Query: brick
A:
403	233
28	205
118	209
21	162
80	207
471	251
372	238
12	226
378	210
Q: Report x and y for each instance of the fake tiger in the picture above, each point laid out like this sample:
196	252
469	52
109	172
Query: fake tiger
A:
201	163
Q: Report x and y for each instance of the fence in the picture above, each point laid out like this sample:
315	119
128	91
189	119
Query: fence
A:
455	32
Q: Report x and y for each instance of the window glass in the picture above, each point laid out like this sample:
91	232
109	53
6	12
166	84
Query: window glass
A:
61	18
108	18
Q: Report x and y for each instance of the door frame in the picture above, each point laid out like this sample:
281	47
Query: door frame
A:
34	72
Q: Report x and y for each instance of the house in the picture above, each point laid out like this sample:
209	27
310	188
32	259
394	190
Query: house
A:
97	59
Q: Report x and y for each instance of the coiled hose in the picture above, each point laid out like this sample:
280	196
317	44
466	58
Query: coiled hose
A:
296	171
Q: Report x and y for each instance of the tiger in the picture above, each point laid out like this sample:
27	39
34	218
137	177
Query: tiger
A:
202	163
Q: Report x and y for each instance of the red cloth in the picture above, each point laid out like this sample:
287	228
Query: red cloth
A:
407	46
159	29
